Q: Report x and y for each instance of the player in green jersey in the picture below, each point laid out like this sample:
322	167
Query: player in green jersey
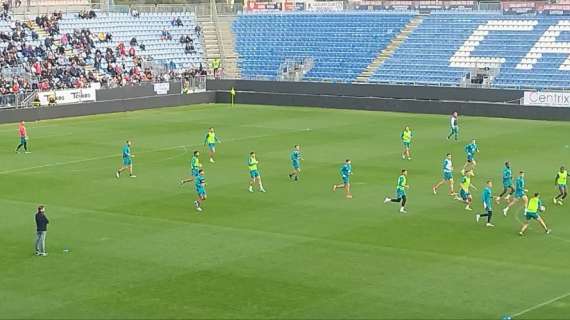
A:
401	187
252	163
211	140
560	182
406	142
532	212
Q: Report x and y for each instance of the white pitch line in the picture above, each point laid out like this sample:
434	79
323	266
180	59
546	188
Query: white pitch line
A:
54	164
540	305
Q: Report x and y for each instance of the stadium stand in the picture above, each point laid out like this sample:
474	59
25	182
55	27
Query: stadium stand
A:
341	44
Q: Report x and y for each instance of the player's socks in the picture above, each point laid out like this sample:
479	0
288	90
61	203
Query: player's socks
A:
250	189
468	207
334	187
118	174
477	217
505	211
403	210
555	200
548	231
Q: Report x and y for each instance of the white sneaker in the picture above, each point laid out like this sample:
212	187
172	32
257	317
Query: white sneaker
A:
488	224
212	160
250	189
505	211
117	174
386	200
403	210
434	190
477	217
548	231
555	201
199	209
43	254
262	190
133	176
468	208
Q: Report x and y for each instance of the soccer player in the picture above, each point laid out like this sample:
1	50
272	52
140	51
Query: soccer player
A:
254	173
454	129
464	193
345	173
400	191
520	193
296	162
406	142
211	140
23	134
470	150
487	197
532	212
447	175
507	183
195	166
127	161
200	184
560	182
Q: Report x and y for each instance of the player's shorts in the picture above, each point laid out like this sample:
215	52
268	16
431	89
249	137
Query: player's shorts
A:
253	173
519	195
195	172
296	164
400	193
464	195
201	191
345	179
211	146
22	140
407	145
470	157
531	215
507	184
562	187
447	175
454	130
127	161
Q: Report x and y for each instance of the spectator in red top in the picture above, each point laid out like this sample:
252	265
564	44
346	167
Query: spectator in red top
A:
132	52
37	68
15	87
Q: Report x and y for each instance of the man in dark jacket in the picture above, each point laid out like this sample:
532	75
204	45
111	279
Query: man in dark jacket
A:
41	232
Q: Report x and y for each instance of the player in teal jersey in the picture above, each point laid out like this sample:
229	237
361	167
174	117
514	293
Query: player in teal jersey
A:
296	162
533	212
507	183
345	173
211	140
470	150
447	176
520	193
401	195
454	126
252	163
127	161
406	136
200	185
195	166
487	198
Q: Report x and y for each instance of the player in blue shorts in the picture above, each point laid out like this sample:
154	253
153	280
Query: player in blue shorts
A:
520	193
195	166
211	140
345	173
464	192
407	136
447	176
296	162
127	161
507	183
470	151
254	173
401	195
532	213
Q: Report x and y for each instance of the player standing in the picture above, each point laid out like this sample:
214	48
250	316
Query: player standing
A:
401	187
406	142
211	140
464	193
127	161
296	162
447	175
454	128
195	166
23	134
487	197
534	206
560	182
470	150
507	183
345	173
254	173
520	193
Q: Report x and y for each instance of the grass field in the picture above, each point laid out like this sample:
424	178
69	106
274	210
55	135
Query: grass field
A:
138	249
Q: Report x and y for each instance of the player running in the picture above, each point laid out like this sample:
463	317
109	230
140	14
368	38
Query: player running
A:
464	192
200	184
487	197
23	134
296	162
454	126
532	212
252	163
507	183
470	150
211	140
127	161
195	166
401	191
345	173
560	182
406	142
447	176
520	193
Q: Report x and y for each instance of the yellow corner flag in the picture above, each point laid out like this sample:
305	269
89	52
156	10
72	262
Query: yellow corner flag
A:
233	94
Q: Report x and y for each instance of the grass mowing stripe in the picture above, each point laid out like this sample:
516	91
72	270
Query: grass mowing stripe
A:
540	305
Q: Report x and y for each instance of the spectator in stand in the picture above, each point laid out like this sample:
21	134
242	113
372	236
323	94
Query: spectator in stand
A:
133	42
142	46
177	22
132	52
171	65
198	30
165	35
189	48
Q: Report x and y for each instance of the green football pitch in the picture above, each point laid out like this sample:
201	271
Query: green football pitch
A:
136	248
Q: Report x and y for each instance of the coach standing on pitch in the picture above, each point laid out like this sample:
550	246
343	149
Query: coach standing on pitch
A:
41	231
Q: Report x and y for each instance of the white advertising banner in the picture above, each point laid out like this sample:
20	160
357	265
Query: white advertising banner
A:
68	96
324	6
548	99
161	88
